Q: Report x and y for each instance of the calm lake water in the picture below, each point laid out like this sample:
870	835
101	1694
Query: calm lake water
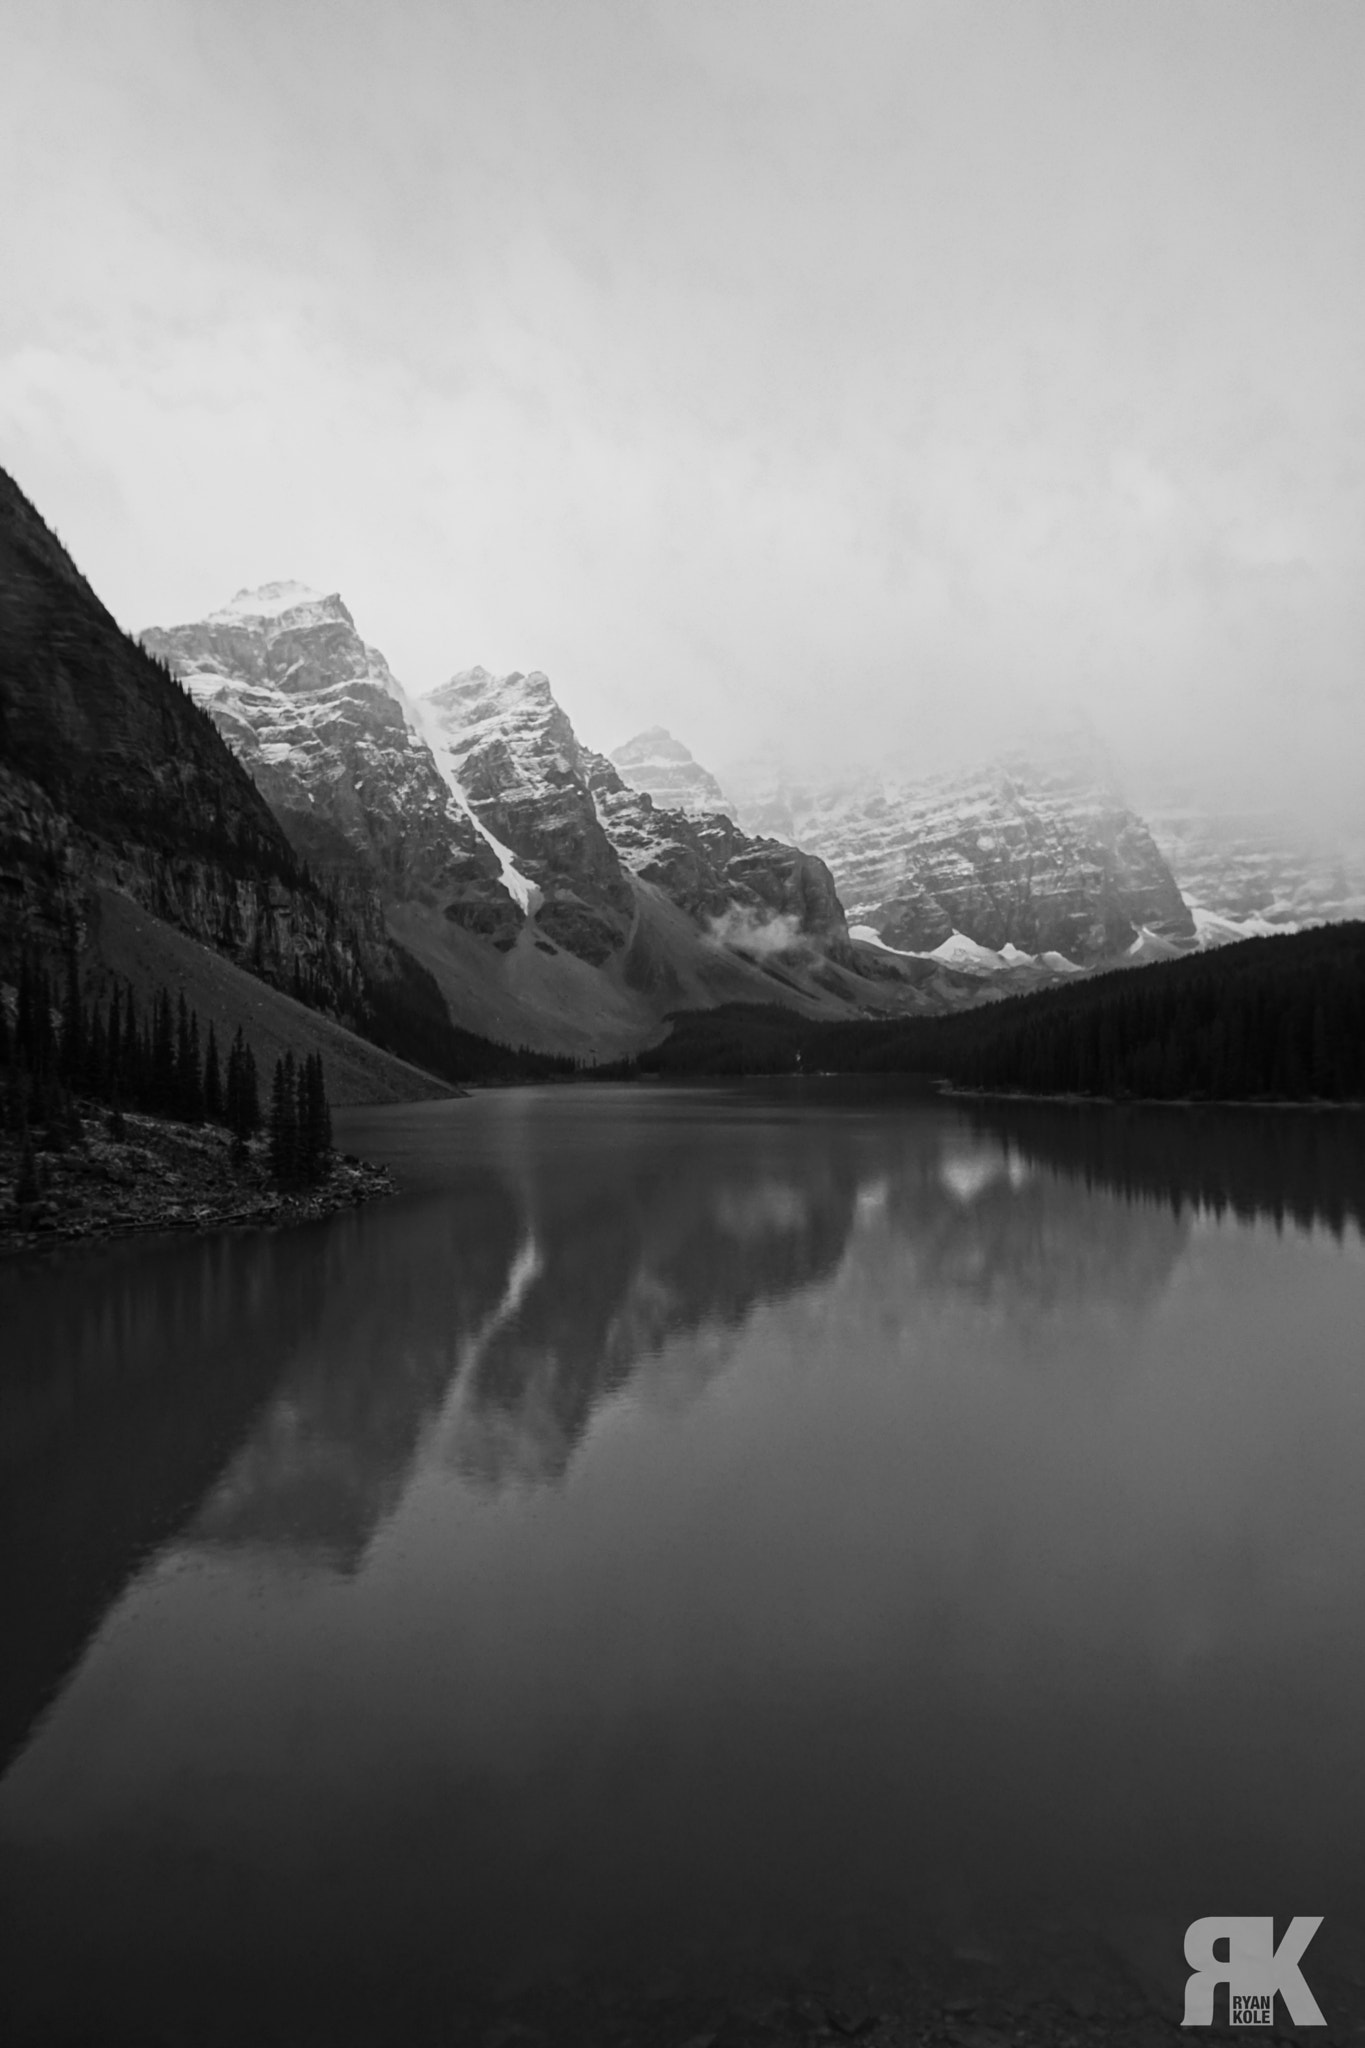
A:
681	1520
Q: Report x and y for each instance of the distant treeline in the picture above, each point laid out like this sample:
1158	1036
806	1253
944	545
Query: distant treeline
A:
408	1017
1295	1167
1275	1019
63	1047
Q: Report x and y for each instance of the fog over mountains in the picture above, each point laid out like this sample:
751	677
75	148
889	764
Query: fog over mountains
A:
465	862
482	816
1031	847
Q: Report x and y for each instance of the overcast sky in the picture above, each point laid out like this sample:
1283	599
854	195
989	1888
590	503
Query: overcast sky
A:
838	377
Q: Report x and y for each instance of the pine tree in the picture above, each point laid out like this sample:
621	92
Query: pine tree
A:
161	1082
314	1119
213	1080
73	1035
27	1189
186	1067
324	1109
251	1092
284	1148
193	1109
37	1041
130	1067
242	1103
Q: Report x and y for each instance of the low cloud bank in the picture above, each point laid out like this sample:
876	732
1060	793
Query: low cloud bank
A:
748	933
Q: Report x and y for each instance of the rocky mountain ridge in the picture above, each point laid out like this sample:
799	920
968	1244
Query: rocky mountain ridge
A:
1034	852
1252	872
332	743
488	829
664	769
118	792
111	775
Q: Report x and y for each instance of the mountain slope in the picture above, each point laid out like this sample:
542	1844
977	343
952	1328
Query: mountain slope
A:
1037	852
146	954
333	745
1258	871
104	759
552	904
112	777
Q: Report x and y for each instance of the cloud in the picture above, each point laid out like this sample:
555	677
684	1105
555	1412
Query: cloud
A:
744	931
830	381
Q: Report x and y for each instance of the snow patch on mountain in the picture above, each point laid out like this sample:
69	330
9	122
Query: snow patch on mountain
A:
969	956
868	935
269	601
1150	945
1213	929
511	719
426	722
957	950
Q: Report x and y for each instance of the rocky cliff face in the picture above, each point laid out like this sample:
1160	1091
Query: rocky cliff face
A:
334	746
662	768
508	746
478	800
110	774
756	894
1041	855
1258	870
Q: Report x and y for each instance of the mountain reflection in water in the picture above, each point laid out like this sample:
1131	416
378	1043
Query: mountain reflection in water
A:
678	1500
507	1317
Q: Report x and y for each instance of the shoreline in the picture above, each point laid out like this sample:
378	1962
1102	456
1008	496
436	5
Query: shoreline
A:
164	1177
1316	1103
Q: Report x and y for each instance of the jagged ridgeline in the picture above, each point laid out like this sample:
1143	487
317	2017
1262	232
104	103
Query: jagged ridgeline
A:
112	779
554	904
1273	1019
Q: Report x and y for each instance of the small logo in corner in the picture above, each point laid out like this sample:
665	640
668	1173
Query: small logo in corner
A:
1253	1969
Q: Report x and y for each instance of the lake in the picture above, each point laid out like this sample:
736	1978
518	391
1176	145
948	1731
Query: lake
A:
683	1531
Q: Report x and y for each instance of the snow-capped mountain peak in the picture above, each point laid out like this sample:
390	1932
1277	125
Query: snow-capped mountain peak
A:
505	735
664	769
274	600
340	751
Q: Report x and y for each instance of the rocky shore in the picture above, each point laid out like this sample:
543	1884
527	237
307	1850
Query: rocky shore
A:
159	1175
1047	1986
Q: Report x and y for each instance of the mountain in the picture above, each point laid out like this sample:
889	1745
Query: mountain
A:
553	904
1249	873
333	745
1035	853
664	769
106	765
123	810
110	775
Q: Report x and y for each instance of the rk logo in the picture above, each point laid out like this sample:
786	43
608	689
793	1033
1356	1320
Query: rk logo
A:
1253	1970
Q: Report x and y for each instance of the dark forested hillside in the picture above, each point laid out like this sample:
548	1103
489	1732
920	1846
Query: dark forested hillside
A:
1279	1019
112	778
104	730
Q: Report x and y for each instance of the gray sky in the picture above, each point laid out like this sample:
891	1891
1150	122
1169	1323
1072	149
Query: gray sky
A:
838	377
